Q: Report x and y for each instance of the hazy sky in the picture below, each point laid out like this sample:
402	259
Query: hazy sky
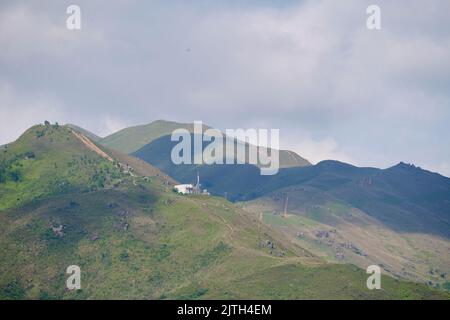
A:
311	68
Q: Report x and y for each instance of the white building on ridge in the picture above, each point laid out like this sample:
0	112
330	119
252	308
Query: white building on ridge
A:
184	188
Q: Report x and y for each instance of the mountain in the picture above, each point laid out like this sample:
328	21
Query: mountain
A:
404	210
404	197
66	200
132	140
398	217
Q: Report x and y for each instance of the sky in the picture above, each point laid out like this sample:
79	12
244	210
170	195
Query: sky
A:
334	88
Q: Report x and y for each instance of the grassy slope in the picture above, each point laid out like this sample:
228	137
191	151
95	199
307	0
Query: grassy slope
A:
48	160
130	140
152	244
175	247
416	256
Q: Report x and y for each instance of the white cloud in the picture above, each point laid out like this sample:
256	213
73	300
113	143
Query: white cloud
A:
109	125
316	150
310	66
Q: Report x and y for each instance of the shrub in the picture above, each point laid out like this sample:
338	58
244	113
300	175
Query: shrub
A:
446	285
15	175
13	290
30	155
124	256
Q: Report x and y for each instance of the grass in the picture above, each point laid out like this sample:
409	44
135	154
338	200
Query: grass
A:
60	164
133	240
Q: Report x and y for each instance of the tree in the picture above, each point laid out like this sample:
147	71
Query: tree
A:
46	123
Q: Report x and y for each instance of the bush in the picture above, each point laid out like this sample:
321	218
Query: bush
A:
124	256
446	285
13	290
15	175
30	155
40	133
2	175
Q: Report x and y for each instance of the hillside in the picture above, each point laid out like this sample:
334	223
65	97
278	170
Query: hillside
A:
66	201
136	140
131	139
239	181
47	160
403	210
398	217
404	197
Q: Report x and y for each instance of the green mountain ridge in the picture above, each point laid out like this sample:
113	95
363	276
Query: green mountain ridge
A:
65	200
404	210
131	140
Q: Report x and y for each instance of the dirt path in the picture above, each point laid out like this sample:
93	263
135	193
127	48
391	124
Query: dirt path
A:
90	145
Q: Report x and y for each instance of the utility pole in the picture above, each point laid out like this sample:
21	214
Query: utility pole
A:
285	206
197	185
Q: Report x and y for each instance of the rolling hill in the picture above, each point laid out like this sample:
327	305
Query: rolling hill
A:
404	210
132	140
398	217
65	200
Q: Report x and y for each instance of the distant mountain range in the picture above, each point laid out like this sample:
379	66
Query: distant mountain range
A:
69	197
403	199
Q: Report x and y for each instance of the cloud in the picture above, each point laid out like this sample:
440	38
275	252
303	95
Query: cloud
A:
109	125
318	150
370	97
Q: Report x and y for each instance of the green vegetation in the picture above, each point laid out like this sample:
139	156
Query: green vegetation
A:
132	139
135	239
49	160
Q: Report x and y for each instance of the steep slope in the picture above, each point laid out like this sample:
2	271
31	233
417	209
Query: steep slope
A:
134	238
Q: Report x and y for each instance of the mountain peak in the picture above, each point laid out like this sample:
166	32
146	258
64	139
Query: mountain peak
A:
403	166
